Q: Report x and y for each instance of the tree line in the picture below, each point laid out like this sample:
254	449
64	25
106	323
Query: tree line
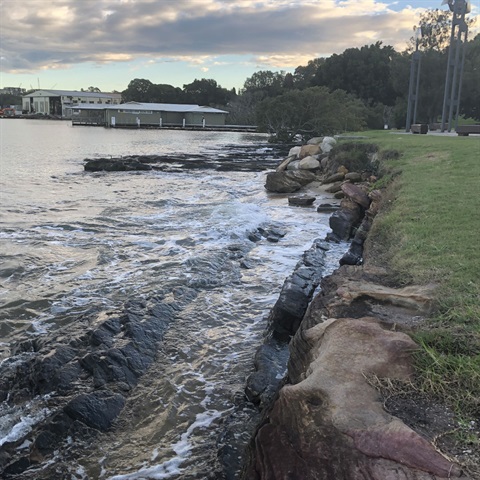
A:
360	88
363	87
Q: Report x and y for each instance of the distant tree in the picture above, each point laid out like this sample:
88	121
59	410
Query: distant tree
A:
6	99
310	112
164	93
207	92
139	90
265	83
305	77
470	98
364	72
241	109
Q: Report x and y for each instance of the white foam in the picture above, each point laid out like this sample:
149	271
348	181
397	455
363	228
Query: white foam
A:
18	430
182	449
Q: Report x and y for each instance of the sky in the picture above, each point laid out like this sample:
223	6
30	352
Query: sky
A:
75	44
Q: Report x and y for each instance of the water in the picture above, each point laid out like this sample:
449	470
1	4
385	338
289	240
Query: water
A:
72	242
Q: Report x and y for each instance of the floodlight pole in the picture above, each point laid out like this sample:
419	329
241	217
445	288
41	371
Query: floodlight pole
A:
413	86
456	61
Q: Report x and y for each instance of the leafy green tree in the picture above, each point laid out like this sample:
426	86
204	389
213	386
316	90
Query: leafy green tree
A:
310	112
139	90
306	76
265	83
470	96
164	93
206	92
364	72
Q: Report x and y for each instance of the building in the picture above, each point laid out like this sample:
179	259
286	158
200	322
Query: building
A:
61	102
135	114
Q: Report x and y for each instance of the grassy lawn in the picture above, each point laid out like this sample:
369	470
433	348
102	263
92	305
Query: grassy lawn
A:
430	233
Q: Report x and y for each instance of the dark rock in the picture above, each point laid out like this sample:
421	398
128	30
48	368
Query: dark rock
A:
327	207
303	200
342	223
97	410
270	366
115	165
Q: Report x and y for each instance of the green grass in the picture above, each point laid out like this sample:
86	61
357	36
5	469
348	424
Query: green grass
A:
429	232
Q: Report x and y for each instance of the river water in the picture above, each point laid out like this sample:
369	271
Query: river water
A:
73	241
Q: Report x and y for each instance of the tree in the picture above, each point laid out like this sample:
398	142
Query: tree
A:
206	92
310	112
305	77
138	90
265	83
470	98
364	72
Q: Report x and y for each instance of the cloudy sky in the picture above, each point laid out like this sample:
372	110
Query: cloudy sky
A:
74	44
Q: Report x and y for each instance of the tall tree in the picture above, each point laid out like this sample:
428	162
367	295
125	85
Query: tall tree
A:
265	83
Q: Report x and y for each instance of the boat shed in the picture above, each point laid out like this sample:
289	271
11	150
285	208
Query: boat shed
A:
149	115
61	102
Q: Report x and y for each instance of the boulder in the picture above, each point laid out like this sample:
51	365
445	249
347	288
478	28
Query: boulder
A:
336	177
315	141
356	194
97	410
329	423
327	208
301	200
354	177
309	163
289	181
294	151
308	150
284	165
115	165
293	165
342	223
327	144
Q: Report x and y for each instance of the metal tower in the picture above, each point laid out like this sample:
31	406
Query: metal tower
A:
456	60
413	85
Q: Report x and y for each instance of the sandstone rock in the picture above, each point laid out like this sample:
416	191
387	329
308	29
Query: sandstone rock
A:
416	297
334	187
336	177
356	193
329	423
315	141
309	163
354	177
308	150
342	169
342	223
289	181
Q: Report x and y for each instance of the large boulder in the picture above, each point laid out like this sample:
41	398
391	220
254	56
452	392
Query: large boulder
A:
327	144
309	163
288	181
309	150
329	422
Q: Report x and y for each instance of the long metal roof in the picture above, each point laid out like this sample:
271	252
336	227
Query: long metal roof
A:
158	107
73	93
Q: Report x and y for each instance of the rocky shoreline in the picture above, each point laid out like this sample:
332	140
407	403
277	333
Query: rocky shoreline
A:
327	420
309	403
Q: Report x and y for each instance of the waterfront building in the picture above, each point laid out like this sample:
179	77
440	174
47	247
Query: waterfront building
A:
136	114
61	102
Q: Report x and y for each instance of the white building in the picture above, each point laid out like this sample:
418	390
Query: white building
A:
60	102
